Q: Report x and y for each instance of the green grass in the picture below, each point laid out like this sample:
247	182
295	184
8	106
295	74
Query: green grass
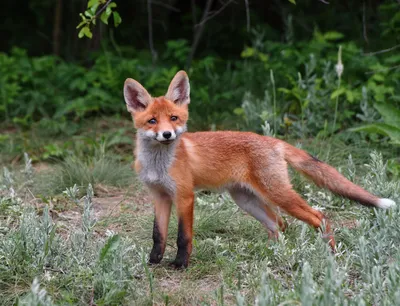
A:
101	259
100	169
115	134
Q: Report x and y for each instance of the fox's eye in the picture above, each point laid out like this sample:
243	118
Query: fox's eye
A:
174	118
152	121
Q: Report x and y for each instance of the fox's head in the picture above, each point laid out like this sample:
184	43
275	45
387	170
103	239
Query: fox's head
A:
159	120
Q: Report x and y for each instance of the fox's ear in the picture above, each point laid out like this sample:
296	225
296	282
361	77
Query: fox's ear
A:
136	97
179	89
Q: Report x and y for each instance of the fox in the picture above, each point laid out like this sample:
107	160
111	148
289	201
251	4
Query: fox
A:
173	163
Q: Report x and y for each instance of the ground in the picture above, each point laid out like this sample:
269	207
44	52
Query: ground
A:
95	252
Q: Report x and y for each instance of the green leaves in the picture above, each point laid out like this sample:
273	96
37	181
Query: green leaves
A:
381	129
85	31
251	52
333	35
117	19
111	245
96	8
248	52
390	127
338	92
330	36
389	113
351	95
107	13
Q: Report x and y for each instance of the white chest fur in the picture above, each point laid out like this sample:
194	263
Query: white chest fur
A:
155	161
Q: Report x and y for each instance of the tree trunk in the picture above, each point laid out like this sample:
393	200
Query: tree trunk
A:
198	32
150	26
57	27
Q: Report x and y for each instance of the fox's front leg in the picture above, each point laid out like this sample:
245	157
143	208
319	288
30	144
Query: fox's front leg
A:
184	207
162	212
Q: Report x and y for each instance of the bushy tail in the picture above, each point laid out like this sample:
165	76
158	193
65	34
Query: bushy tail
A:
328	177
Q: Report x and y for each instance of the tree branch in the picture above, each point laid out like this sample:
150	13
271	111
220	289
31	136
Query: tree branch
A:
150	25
365	24
246	2
382	70
197	35
167	6
57	27
194	19
382	51
213	14
102	9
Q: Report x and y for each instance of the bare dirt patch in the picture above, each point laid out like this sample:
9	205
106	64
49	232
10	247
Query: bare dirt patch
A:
189	290
109	203
348	223
41	167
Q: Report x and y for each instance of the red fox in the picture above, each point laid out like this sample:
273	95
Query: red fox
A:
251	167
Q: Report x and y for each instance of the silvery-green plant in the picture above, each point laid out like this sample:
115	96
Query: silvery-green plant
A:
72	193
275	114
7	180
351	168
307	286
368	113
28	170
32	250
267	131
88	220
82	237
339	70
376	178
258	111
36	297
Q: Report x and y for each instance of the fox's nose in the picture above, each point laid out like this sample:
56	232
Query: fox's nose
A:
167	135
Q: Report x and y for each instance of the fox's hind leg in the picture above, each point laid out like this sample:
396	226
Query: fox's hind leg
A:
260	210
275	187
293	204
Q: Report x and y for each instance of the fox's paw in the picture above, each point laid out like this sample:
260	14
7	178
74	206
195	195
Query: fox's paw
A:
155	257
385	203
179	264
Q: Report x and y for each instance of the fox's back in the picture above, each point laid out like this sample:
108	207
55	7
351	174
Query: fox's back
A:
220	158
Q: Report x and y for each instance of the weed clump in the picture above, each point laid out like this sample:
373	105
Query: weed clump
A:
80	268
101	168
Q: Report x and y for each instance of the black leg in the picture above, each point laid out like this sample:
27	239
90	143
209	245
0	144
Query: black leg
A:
184	244
156	253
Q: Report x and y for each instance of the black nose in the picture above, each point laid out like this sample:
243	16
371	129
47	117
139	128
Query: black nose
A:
167	135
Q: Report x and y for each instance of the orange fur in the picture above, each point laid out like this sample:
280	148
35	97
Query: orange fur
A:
252	166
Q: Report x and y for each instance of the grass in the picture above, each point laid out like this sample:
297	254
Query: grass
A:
101	168
99	256
46	146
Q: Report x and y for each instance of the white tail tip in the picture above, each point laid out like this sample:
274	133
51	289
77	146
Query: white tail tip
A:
385	203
